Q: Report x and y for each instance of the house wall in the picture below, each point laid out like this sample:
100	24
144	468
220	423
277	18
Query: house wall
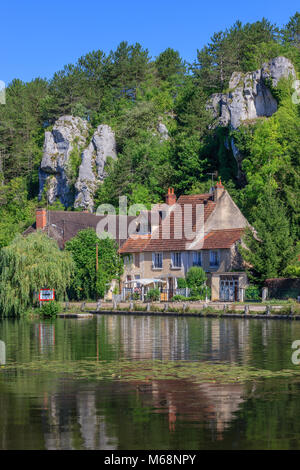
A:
146	270
214	282
226	215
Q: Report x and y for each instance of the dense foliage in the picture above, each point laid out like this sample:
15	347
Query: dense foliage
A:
133	93
28	265
270	249
196	281
87	282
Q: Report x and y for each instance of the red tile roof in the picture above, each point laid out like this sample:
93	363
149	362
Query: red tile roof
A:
175	240
217	239
222	238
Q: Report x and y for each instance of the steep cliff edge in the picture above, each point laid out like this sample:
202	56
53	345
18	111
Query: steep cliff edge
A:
71	169
61	147
249	96
91	171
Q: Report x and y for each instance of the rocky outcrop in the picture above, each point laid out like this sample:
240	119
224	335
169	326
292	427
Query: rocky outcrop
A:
69	134
63	147
249	95
92	168
163	132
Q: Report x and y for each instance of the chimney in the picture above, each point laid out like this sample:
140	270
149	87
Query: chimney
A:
41	218
218	190
170	197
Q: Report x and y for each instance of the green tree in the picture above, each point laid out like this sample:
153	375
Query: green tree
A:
87	283
169	64
16	210
196	280
271	248
27	265
291	33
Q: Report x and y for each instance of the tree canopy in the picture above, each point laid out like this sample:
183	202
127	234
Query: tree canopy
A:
87	282
29	264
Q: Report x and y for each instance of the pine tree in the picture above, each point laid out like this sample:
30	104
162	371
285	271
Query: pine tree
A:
271	248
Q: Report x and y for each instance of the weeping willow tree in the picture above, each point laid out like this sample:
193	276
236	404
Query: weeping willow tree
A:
27	265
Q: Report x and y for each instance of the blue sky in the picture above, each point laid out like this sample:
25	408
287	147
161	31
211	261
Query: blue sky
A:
39	38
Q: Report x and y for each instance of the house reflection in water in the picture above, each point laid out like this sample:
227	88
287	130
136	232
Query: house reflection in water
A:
96	418
46	336
184	400
174	338
72	421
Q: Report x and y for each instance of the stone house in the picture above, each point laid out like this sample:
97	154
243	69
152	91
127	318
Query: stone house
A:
195	230
151	255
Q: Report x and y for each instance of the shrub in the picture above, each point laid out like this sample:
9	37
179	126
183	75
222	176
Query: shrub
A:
252	293
196	281
50	309
153	295
178	298
181	283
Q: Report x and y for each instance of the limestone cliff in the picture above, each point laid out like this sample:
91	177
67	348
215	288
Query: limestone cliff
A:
65	149
91	171
68	135
249	96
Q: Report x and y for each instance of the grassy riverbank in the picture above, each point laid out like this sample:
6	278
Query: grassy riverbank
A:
286	308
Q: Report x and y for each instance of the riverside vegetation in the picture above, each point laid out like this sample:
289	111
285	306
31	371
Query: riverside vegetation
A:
132	92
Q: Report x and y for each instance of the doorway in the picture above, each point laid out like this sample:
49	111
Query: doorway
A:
229	288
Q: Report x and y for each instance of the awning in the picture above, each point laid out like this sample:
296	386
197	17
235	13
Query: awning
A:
145	282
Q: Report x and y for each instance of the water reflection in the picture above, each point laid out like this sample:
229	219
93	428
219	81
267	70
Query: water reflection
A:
263	344
114	416
42	411
2	353
45	334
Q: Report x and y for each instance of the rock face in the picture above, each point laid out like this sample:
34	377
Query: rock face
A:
163	132
93	160
249	96
68	133
56	175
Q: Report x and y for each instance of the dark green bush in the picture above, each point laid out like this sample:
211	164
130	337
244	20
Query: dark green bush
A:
252	293
181	283
153	295
50	309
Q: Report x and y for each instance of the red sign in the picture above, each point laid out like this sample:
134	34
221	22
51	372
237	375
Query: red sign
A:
46	295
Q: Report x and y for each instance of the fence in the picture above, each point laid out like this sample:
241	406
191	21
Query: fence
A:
141	293
283	288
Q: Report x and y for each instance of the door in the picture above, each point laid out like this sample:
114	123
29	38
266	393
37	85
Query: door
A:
229	287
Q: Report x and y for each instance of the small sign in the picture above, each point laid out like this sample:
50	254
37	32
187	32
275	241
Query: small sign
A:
46	295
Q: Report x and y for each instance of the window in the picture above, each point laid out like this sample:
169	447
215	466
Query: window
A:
127	260
197	258
137	260
157	260
214	259
176	260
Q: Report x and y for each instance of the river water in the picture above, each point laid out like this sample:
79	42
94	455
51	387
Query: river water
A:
40	410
